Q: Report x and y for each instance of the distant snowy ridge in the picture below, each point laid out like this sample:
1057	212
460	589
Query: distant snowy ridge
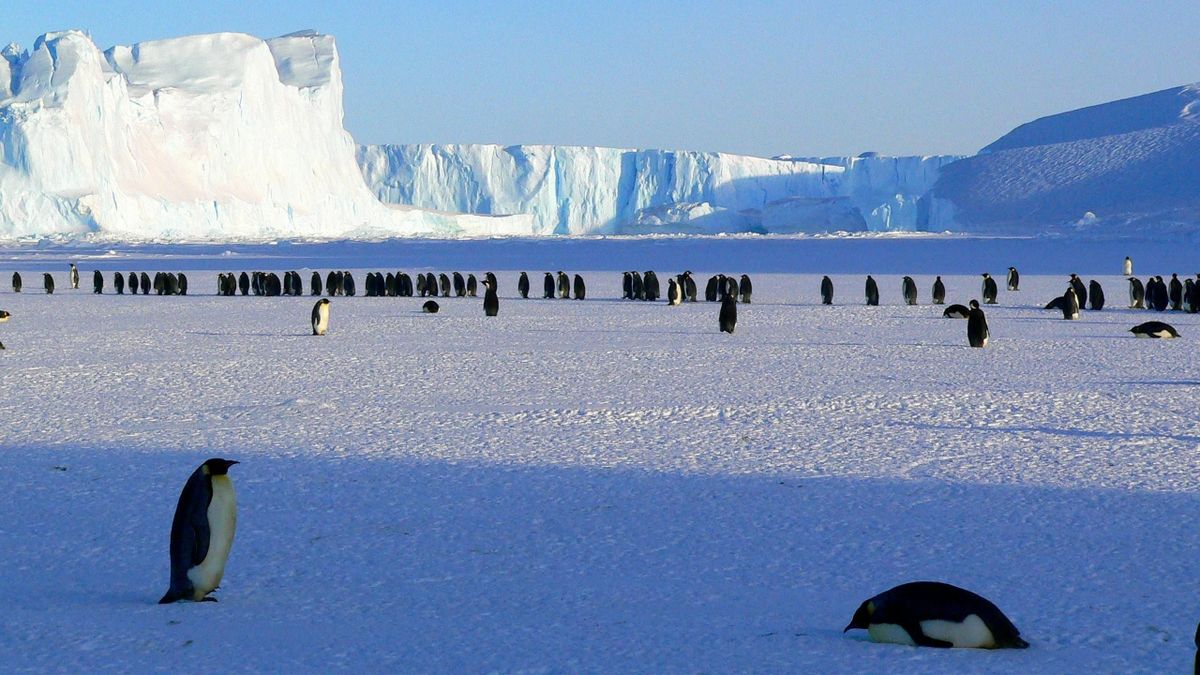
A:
221	136
1119	166
592	190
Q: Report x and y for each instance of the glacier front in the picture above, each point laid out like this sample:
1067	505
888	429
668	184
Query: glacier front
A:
590	190
208	137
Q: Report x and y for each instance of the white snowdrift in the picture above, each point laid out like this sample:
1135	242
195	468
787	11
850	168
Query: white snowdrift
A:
221	136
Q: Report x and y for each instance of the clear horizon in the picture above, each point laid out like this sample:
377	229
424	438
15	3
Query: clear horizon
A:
763	78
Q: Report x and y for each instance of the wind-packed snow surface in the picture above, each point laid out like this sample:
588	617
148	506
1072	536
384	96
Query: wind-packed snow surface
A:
590	190
221	136
599	485
1119	166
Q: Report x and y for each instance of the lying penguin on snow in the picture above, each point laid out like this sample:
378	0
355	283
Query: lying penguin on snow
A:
933	614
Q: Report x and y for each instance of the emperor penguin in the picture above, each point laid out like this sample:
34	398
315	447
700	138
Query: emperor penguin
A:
689	287
1161	296
244	283
674	295
989	289
97	282
202	532
548	286
430	307
523	285
48	283
579	288
314	283
626	285
145	283
133	283
4	316
826	290
1080	289
1096	295
406	284
320	317
491	302
908	288
472	286
460	285
421	290
119	283
346	283
183	284
934	614
16	282
564	286
1154	329
977	328
957	312
331	283
1014	279
1127	268
639	287
1070	305
650	287
1176	292
1137	293
1189	296
74	277
747	289
939	292
872	291
710	289
728	316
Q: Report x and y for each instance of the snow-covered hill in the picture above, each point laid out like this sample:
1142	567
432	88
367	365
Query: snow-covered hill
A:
587	190
1118	166
221	136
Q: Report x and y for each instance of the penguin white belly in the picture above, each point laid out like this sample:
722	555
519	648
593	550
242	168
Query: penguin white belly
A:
322	320
971	632
1163	334
890	633
1128	269
222	521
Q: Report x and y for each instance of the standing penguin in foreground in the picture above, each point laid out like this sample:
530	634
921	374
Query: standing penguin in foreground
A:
826	290
939	292
989	289
16	282
1080	290
1137	294
674	294
119	283
1096	295
934	614
202	532
872	291
548	286
74	277
580	288
908	287
523	285
728	316
320	316
1014	279
97	282
48	283
747	289
491	302
1070	305
977	328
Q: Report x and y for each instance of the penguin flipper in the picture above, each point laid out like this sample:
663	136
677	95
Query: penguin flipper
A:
921	639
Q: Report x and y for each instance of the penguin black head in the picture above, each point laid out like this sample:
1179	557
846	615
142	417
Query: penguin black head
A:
217	466
985	275
862	617
4	316
974	304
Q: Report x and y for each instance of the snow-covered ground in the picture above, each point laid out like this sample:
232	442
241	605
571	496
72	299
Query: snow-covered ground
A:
601	485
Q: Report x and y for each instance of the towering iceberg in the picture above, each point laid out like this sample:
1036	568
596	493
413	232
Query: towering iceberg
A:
218	136
589	190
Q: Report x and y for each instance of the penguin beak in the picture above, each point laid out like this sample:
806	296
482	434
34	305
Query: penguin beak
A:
233	461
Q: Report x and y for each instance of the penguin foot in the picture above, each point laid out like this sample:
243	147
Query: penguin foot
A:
208	598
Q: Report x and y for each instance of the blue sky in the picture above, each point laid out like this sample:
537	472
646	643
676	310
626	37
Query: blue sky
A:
762	78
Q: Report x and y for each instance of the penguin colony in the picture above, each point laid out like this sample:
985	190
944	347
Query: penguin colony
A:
729	290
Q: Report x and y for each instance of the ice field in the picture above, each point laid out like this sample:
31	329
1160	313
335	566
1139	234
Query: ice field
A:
600	485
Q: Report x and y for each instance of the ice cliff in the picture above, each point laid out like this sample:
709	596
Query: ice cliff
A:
589	190
221	136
